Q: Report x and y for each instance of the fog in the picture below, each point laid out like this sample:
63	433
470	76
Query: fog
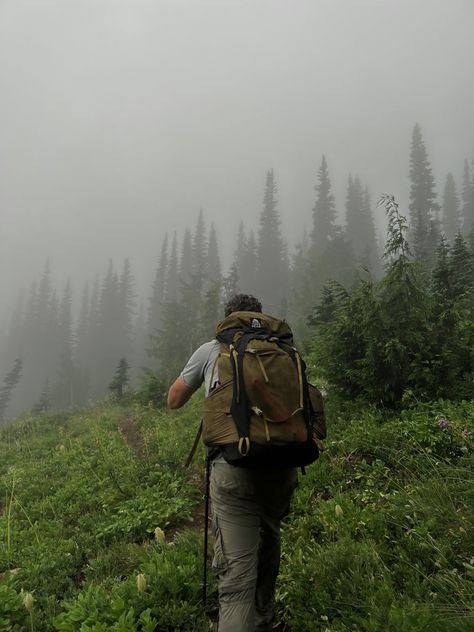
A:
120	119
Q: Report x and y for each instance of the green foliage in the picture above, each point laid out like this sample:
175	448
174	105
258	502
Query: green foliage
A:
379	537
381	526
400	338
13	616
152	390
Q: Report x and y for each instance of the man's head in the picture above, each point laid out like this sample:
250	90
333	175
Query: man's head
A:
242	303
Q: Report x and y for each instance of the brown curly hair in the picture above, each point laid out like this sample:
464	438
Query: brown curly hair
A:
242	303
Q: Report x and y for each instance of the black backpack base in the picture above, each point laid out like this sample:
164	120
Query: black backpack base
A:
274	457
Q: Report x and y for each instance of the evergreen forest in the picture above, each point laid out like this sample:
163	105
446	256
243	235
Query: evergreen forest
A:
401	310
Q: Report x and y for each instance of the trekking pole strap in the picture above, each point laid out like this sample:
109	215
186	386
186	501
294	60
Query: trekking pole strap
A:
194	446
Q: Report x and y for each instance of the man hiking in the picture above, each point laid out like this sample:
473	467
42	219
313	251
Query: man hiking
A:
250	494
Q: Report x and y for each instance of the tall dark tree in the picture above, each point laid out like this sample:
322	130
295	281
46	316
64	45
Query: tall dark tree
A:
121	379
213	262
423	204
360	230
127	307
10	381
186	261
172	278
158	290
44	402
66	374
467	210
272	258
324	213
451	222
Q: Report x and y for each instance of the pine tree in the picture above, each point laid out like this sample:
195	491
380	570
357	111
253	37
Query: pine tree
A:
66	381
462	267
467	210
213	262
44	402
423	205
450	208
360	228
158	290
324	213
127	308
10	381
245	261
121	379
186	261
272	260
172	279
83	347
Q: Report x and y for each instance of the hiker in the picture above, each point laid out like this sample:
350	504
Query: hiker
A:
248	502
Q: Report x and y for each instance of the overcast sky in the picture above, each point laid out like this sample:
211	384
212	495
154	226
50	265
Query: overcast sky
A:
119	119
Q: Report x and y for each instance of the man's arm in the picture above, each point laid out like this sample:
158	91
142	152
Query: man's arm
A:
179	393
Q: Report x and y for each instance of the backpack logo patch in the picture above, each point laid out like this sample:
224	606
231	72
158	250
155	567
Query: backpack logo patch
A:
256	324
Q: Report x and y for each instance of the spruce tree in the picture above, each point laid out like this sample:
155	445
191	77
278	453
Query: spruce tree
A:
9	382
45	400
324	213
245	261
360	230
450	208
172	278
272	260
121	379
186	261
423	205
158	290
66	381
127	306
213	262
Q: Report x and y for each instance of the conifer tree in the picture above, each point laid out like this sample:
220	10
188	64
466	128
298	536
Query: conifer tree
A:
423	205
127	308
324	213
83	347
121	379
462	267
213	262
245	261
467	198
468	206
110	330
199	246
14	345
272	260
360	228
10	381
172	279
158	290
44	402
65	385
186	260
450	208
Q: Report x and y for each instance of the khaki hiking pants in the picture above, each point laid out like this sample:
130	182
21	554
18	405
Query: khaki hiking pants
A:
247	507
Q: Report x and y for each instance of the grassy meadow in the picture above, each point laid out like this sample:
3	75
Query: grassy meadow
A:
101	524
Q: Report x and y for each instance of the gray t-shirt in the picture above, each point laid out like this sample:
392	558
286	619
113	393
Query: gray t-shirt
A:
202	367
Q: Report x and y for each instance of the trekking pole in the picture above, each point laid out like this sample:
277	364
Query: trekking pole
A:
206	520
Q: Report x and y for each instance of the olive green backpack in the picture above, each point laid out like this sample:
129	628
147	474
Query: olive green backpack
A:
263	412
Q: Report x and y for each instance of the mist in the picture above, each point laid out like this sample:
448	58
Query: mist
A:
121	120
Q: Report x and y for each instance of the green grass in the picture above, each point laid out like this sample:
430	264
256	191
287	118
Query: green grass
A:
380	537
